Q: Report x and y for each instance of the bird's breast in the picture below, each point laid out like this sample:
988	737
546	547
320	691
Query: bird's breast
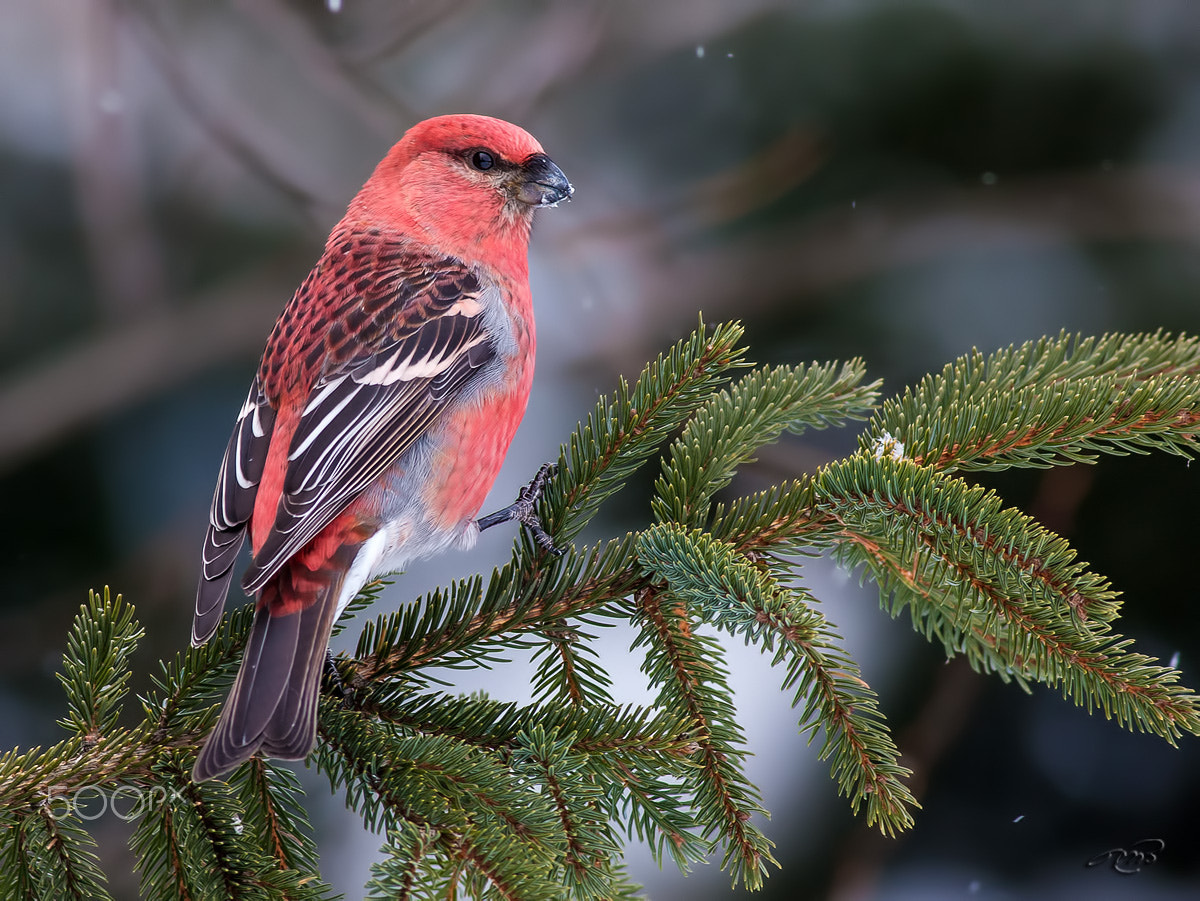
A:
470	450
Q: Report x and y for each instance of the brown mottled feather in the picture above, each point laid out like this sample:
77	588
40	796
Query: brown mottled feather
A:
405	310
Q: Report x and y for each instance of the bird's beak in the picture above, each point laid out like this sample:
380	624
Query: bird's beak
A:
541	183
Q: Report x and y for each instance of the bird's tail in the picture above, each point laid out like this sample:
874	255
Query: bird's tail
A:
272	707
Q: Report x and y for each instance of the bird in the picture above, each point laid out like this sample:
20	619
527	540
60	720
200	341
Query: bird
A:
385	402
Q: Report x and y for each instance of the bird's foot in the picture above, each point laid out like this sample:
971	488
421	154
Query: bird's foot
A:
522	510
335	678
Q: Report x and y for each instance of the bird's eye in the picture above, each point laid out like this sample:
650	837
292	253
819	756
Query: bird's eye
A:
482	160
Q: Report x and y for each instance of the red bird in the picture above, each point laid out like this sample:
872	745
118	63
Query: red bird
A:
387	397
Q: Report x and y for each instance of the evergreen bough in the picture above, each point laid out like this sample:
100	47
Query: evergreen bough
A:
479	798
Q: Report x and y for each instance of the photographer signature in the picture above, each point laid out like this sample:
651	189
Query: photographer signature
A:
1131	860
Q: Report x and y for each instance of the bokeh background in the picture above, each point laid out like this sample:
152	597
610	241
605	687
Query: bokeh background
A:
900	181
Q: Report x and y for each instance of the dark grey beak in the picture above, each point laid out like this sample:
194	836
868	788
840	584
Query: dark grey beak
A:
542	183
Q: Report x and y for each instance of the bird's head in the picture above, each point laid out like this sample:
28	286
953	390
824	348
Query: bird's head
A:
467	184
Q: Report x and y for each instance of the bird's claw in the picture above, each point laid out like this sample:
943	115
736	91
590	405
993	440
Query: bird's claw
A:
335	678
523	511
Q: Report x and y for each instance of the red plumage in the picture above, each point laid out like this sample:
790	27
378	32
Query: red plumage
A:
387	397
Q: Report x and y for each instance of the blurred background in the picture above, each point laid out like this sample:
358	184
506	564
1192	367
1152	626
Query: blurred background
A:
900	181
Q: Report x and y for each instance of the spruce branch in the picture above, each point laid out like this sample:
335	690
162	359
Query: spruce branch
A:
486	823
725	588
842	705
96	664
1051	401
622	432
992	584
487	799
781	520
590	850
400	876
633	732
50	856
569	669
734	595
691	675
734	423
269	797
520	598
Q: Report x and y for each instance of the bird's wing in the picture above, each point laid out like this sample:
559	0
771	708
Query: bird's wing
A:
401	335
406	344
232	507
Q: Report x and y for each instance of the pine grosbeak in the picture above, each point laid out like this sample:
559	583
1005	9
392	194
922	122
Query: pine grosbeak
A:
388	394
